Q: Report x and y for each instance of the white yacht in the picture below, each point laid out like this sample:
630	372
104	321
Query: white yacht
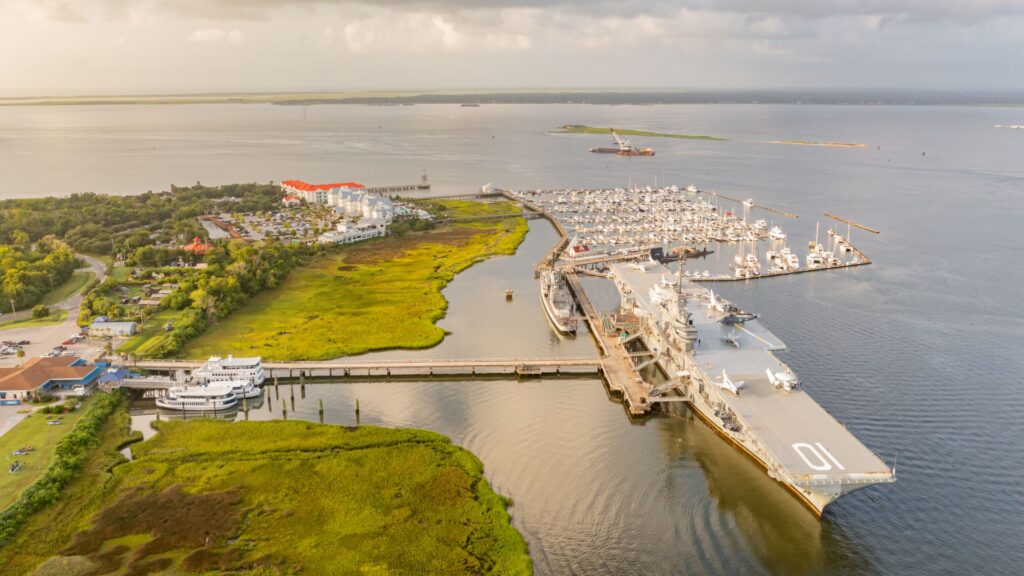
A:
199	398
241	388
776	233
815	259
754	264
219	369
791	261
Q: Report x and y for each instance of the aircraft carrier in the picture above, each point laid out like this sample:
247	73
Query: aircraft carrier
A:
720	360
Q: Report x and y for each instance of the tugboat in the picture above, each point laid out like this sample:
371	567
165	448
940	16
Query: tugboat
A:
558	302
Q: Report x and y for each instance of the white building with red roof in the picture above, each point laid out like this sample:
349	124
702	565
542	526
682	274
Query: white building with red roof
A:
576	249
326	194
347	198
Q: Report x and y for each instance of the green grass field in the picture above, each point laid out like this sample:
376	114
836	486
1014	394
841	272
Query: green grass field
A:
580	129
32	431
285	497
376	295
150	334
121	273
55	317
50	530
78	280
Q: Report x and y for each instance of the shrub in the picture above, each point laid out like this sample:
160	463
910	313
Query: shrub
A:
40	311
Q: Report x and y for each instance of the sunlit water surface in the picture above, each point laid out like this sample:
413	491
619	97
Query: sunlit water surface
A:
917	354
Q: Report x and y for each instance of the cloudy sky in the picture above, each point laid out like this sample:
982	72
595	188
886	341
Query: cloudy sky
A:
63	47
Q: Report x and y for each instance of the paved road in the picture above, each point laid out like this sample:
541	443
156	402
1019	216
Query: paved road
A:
44	338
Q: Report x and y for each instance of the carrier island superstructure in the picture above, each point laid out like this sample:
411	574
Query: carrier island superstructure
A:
720	361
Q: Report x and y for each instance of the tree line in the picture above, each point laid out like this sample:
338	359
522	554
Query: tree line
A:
29	270
106	225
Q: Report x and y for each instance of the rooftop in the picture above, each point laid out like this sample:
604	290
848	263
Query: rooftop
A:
307	187
38	371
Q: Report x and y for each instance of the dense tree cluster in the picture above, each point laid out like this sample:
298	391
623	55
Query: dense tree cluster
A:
103	224
29	270
235	271
234	274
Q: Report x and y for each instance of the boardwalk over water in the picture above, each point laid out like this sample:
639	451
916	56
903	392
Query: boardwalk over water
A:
379	368
620	374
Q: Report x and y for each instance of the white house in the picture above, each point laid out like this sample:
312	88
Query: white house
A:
348	233
101	328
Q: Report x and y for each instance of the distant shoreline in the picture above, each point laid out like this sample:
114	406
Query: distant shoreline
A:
581	129
825	144
596	97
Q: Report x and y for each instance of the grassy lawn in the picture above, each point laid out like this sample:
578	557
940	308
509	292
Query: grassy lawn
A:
78	280
50	530
286	497
121	273
32	431
580	129
55	317
375	295
150	334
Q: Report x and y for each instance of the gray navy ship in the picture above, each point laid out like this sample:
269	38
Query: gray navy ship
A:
722	361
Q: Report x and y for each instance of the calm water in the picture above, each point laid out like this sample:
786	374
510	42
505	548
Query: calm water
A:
918	354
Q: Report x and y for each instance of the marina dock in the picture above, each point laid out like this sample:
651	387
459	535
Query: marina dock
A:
617	368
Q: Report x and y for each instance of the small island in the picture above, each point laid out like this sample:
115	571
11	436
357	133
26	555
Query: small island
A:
825	144
582	129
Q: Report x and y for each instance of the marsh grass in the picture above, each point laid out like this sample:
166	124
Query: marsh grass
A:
298	497
376	295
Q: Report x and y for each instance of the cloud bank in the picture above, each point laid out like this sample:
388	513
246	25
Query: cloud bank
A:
324	44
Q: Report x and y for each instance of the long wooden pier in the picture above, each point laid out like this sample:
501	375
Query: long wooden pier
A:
369	368
620	374
399	188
